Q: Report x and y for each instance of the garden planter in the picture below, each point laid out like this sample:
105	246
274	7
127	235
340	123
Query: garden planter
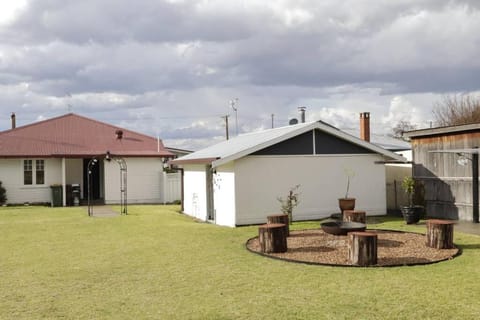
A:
411	215
346	204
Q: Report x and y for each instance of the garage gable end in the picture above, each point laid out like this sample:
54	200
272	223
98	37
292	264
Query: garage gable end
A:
328	144
304	143
299	145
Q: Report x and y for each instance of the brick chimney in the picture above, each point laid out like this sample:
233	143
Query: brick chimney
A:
119	134
365	126
14	122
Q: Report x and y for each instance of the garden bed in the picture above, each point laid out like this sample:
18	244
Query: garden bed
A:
395	248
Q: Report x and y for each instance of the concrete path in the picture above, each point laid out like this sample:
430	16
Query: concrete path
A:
467	227
103	211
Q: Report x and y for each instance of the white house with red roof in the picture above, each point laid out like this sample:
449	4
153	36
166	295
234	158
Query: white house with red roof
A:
57	151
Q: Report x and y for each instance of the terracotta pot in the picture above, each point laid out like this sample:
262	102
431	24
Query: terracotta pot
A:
346	204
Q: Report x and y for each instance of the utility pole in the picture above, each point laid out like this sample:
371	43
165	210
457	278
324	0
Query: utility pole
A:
272	120
226	125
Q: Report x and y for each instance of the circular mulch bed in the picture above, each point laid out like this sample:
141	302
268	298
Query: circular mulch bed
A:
394	248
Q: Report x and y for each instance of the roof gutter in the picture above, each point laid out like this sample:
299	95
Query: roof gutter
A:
193	161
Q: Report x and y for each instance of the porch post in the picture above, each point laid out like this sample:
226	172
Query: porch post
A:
64	184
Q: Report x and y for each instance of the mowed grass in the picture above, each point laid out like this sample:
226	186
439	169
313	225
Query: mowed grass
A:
158	264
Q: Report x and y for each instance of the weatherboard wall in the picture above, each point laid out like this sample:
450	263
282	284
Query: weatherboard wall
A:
144	180
11	175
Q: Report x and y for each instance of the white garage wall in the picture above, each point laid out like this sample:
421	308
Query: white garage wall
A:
224	195
195	201
143	180
260	180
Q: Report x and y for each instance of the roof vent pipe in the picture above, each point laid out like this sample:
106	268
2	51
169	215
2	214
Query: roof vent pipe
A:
302	114
365	126
14	122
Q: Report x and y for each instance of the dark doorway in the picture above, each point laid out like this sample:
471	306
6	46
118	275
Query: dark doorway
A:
94	179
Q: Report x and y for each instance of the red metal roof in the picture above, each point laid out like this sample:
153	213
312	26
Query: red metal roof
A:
72	135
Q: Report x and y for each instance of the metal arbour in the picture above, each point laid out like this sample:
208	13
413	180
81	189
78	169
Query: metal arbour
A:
123	180
90	165
123	184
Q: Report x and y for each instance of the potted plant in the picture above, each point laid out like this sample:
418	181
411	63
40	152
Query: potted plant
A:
411	213
347	203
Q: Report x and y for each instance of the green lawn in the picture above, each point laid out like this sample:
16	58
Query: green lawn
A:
158	264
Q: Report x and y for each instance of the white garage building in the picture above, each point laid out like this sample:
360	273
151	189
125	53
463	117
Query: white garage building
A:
238	181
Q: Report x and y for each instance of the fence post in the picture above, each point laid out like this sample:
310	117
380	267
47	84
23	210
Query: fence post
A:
164	182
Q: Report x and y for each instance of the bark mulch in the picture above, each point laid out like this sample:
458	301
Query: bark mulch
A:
394	248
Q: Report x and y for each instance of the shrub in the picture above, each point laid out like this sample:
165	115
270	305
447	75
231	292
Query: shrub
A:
3	194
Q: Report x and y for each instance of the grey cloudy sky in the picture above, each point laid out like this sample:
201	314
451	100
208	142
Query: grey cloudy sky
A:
171	67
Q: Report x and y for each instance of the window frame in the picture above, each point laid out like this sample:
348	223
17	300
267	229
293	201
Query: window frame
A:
37	172
27	164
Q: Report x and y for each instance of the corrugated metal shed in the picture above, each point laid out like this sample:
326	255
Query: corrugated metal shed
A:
72	135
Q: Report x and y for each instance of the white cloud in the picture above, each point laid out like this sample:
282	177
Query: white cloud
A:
9	10
171	67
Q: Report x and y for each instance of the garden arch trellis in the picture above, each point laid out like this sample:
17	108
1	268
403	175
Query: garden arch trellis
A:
123	181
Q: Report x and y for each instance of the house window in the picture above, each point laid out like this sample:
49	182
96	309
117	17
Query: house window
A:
33	172
40	171
27	171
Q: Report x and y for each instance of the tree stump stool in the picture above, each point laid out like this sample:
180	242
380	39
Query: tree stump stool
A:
272	238
362	248
280	218
355	216
440	234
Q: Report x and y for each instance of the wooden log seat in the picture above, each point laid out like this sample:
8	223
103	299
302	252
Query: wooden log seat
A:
355	216
440	234
280	218
362	248
272	238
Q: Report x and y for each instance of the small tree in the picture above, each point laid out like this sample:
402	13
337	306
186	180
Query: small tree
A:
401	127
290	202
3	194
350	175
408	185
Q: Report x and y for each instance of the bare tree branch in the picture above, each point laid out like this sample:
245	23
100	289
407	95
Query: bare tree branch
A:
457	110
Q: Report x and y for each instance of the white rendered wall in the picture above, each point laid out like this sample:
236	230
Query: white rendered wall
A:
260	180
143	180
224	195
195	192
11	175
